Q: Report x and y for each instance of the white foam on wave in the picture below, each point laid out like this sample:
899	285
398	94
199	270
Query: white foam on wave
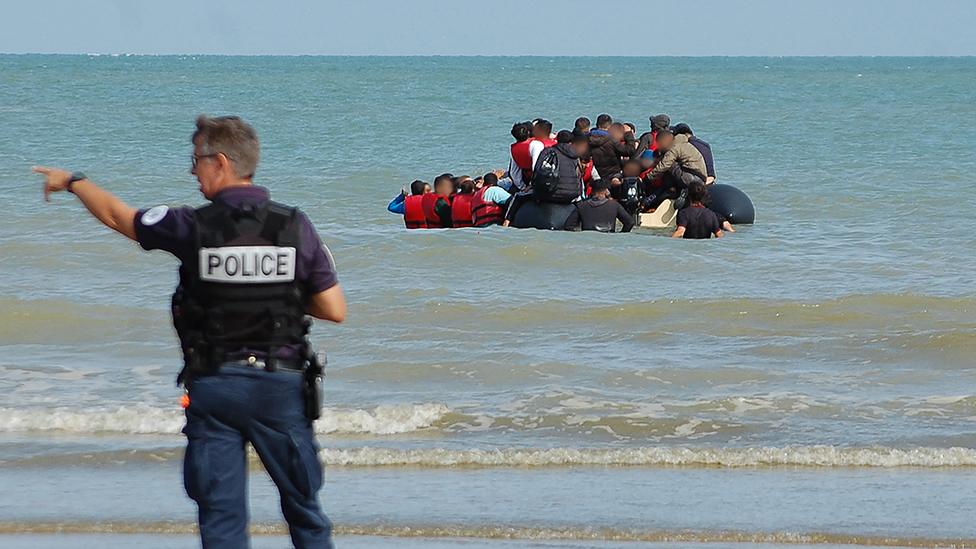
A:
147	420
800	456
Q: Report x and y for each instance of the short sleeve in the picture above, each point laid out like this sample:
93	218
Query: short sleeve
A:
716	222
683	218
316	266
165	228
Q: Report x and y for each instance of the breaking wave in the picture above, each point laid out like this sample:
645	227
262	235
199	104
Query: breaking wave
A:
798	456
147	420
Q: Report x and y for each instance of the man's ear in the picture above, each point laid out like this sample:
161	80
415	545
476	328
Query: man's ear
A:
225	163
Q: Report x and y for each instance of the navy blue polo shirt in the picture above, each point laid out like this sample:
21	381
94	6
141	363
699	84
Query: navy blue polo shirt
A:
172	230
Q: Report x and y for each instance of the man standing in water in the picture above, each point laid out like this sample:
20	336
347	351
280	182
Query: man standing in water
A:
251	270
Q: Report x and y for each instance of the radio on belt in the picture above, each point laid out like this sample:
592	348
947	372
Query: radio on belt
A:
247	264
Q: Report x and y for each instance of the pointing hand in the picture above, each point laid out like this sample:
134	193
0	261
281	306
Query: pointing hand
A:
55	180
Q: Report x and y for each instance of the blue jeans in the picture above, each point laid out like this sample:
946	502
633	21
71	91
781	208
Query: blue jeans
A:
229	409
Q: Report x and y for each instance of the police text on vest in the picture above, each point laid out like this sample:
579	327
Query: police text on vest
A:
247	264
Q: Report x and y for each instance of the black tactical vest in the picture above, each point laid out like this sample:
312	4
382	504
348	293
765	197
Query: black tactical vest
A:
238	292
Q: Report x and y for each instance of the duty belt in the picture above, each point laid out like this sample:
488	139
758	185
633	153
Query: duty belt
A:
270	365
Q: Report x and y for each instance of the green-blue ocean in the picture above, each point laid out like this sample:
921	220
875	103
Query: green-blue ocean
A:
808	380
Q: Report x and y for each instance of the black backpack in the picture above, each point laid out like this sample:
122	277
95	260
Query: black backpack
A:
545	177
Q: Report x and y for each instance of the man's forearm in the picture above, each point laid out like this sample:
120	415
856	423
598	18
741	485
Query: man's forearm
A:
106	207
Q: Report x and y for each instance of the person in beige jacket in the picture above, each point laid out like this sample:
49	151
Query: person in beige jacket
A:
678	165
678	159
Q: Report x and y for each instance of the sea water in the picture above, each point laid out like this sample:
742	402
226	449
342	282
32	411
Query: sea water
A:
808	379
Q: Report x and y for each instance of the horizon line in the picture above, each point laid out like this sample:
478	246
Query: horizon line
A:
433	55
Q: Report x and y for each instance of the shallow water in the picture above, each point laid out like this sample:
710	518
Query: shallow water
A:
837	332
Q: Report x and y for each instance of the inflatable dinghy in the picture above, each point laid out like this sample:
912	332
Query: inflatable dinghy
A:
735	205
542	215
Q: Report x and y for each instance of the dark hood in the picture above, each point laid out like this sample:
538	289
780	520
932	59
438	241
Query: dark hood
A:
566	149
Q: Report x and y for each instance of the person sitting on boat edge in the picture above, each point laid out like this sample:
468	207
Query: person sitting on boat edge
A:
528	152
679	163
568	186
647	143
599	212
409	205
437	205
704	148
697	221
488	202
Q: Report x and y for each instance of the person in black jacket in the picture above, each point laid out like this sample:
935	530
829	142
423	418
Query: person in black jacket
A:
610	143
599	212
704	148
569	149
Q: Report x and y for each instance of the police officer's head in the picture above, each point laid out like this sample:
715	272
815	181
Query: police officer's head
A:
225	153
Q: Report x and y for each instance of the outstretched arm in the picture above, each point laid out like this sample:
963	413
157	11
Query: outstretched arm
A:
105	206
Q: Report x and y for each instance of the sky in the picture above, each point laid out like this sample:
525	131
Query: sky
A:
491	27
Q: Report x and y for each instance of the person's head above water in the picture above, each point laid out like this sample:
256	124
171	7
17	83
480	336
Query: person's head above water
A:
582	124
599	188
697	192
225	153
682	129
419	187
522	131
444	184
603	121
541	129
664	139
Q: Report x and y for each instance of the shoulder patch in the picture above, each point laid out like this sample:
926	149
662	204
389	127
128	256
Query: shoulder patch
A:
154	215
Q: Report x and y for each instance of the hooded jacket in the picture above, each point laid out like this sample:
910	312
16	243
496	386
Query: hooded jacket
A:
607	152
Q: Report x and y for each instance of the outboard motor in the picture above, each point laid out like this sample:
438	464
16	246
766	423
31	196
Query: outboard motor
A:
630	195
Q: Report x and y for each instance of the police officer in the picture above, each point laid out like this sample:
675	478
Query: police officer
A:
251	270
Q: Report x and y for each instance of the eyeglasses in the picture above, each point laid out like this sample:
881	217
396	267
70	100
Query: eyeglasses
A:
195	158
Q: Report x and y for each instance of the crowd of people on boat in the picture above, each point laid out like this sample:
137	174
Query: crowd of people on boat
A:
606	171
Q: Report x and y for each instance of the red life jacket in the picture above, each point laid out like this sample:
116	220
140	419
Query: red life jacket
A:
588	178
429	204
413	212
485	212
523	159
461	210
653	146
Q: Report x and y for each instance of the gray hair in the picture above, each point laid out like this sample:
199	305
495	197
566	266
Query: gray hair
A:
232	137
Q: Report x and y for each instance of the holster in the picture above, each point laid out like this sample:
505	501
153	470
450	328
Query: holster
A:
313	377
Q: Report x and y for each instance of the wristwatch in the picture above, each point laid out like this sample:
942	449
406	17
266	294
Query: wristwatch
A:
75	177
